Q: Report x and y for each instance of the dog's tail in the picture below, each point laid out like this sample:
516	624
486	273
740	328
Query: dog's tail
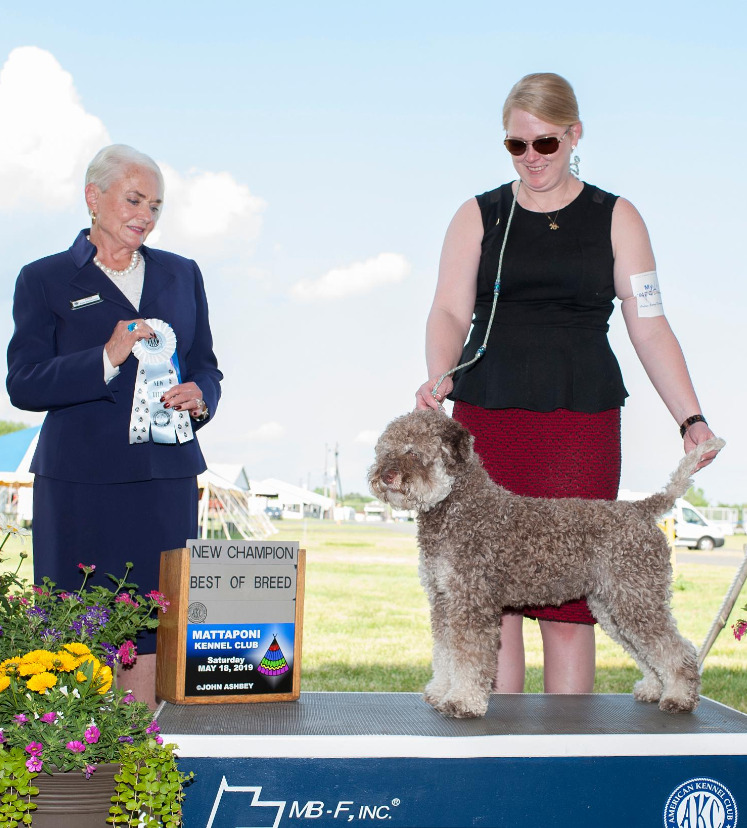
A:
680	482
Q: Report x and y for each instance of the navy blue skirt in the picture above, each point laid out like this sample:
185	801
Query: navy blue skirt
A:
108	525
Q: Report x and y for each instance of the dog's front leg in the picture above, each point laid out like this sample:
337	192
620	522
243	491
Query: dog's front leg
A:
470	651
440	684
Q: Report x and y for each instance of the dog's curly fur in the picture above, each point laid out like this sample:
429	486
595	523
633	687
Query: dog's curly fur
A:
483	548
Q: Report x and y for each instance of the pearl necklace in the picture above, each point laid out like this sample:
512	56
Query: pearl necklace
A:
118	274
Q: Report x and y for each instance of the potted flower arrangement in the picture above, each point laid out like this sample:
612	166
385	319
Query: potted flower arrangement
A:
61	714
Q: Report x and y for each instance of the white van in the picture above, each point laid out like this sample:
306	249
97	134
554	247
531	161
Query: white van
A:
692	529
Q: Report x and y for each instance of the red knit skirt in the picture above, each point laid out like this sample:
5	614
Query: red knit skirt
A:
548	454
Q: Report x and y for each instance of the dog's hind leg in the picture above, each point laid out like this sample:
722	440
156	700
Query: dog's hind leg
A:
647	689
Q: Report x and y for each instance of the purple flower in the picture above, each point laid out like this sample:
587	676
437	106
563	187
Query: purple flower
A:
92	735
128	699
20	719
128	739
74	595
75	747
2	737
34	748
51	636
49	718
110	651
38	612
159	740
153	727
34	764
89	771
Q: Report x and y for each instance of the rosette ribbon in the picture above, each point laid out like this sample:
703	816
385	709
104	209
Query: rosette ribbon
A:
158	371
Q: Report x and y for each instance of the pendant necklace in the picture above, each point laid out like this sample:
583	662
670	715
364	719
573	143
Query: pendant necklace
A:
553	221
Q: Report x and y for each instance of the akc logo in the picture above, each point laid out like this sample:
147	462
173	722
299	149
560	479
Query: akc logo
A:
700	803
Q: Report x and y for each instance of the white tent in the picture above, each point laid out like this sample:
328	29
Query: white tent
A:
225	509
295	501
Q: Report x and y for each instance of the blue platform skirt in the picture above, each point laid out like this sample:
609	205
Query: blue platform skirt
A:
108	525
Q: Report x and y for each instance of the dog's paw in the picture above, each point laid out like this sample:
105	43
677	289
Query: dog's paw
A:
435	691
461	708
648	689
679	704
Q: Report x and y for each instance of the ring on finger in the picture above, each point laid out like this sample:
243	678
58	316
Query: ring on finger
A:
132	326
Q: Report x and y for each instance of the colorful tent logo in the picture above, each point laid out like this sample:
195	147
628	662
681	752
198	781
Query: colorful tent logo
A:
273	663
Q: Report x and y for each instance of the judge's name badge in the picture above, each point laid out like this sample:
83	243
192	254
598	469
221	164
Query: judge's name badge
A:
94	299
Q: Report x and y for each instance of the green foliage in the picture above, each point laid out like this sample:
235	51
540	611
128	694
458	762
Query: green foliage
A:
16	789
149	789
8	426
696	496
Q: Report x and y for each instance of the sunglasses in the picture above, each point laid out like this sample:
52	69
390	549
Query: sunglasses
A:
544	146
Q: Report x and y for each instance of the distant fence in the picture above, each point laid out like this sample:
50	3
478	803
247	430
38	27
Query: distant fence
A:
724	516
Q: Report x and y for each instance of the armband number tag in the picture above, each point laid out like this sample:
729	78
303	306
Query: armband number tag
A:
647	294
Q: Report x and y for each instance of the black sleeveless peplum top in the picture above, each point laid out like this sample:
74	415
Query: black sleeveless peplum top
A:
548	346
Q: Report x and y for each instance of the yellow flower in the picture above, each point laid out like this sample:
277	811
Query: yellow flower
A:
39	656
76	648
105	677
31	668
4	682
81	676
10	663
65	662
41	682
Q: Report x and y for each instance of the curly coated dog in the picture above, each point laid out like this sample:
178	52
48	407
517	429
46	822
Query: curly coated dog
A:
483	548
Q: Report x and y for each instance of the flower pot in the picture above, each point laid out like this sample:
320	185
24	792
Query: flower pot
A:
69	800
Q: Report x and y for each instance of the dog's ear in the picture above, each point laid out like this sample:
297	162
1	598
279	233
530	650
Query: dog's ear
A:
457	444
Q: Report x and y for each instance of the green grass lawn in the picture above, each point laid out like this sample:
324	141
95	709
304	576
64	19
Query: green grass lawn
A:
366	617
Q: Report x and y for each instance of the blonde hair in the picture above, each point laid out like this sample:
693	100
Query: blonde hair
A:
545	95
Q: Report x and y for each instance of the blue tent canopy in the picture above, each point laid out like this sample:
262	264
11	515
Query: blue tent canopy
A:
13	448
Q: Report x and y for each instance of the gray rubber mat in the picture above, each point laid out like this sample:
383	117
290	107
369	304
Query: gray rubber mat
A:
406	714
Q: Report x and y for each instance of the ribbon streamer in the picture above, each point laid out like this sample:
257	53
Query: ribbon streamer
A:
157	372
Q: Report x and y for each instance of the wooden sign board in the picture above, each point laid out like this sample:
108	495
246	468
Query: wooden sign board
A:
234	629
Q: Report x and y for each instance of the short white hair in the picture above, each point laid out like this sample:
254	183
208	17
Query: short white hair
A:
109	164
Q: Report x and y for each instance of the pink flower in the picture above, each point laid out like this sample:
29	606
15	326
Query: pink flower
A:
159	740
39	590
87	568
126	598
49	718
92	735
160	599
20	719
89	771
75	747
2	737
153	727
128	699
740	628
34	748
34	764
127	653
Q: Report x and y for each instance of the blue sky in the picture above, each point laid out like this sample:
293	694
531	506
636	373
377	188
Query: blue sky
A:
315	154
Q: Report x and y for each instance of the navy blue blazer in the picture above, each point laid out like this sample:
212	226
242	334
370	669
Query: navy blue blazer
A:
55	363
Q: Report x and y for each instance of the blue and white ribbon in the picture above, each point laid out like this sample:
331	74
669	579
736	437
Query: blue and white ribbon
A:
158	371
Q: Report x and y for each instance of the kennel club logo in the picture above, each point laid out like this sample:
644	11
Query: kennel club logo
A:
700	803
243	805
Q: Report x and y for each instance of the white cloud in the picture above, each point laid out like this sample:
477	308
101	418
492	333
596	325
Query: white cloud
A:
368	438
207	215
267	432
357	278
47	137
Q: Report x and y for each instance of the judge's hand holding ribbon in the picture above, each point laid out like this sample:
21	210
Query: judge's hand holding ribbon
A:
186	397
126	333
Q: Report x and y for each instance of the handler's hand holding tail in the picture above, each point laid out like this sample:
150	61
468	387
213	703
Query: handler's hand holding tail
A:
696	434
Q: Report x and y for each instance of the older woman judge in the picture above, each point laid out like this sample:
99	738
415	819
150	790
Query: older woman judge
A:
526	285
116	463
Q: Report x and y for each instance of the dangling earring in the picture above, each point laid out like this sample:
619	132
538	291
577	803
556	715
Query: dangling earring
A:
93	219
573	167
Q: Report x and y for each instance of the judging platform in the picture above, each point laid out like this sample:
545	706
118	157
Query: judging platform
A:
388	758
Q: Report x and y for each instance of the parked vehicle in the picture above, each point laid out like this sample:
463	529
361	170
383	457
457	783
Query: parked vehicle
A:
694	530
